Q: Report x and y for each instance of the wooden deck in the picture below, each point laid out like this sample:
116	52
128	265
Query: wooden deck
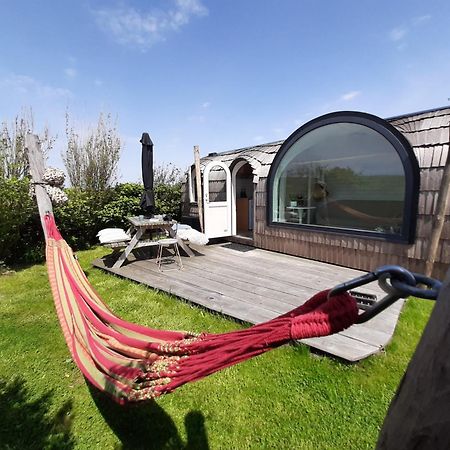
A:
255	285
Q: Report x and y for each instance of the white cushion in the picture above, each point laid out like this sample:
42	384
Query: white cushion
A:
193	236
112	235
180	226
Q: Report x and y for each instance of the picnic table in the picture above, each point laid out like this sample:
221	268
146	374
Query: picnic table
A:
139	226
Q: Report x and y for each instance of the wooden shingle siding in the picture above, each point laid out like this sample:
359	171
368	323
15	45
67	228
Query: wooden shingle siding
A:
428	138
257	156
428	134
362	253
444	154
430	180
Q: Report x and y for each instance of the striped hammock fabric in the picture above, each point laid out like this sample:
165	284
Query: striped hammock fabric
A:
132	362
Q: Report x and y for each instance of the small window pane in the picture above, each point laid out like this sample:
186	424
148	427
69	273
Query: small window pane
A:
341	175
217	185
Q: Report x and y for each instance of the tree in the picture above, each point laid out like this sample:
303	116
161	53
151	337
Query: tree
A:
91	162
167	174
13	158
167	180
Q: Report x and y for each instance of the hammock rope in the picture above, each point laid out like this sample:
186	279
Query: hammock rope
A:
131	362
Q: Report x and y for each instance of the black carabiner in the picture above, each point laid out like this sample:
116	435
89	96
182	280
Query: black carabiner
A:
392	296
430	294
405	275
403	283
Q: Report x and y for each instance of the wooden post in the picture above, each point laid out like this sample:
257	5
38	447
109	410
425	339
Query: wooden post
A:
198	179
37	169
419	415
439	218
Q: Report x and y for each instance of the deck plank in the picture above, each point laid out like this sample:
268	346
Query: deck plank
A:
308	273
255	285
343	347
222	287
215	301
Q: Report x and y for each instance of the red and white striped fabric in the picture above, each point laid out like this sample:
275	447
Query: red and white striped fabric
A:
132	362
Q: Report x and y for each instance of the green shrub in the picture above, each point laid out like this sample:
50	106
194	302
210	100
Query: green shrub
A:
168	200
16	208
124	202
87	212
30	248
78	219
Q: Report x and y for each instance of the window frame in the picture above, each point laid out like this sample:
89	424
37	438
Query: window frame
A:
407	158
192	187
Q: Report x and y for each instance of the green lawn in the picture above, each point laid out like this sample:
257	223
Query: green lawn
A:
285	399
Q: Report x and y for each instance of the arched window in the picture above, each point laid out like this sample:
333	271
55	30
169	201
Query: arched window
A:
346	172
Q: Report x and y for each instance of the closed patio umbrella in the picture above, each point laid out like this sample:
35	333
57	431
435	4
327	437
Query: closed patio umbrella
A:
148	198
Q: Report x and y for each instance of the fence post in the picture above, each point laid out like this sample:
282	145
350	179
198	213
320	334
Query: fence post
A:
198	179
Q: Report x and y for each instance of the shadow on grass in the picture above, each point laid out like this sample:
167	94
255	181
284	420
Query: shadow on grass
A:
147	426
25	421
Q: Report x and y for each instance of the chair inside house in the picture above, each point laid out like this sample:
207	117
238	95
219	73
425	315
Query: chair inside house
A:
168	254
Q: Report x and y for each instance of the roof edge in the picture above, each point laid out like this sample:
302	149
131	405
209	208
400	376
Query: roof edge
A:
418	113
279	142
243	149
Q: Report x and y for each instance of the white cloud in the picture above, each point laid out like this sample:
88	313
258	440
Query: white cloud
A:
128	26
206	105
350	95
98	82
398	33
70	72
24	84
421	19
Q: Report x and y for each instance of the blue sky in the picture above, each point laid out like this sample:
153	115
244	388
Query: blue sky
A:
218	74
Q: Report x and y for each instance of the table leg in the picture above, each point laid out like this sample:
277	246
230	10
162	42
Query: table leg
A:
129	248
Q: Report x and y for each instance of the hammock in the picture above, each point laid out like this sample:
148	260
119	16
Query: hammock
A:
132	362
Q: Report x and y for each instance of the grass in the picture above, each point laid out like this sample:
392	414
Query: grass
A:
287	398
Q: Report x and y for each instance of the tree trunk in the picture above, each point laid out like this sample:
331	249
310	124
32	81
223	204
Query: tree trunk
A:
439	217
419	415
37	169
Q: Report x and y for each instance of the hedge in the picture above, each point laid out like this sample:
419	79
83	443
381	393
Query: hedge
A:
16	209
79	220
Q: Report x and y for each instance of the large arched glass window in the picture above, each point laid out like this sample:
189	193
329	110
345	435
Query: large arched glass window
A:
346	172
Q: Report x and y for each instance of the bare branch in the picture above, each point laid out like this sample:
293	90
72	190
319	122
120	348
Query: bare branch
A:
91	162
167	174
13	158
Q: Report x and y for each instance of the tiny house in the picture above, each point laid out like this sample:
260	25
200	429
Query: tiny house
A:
346	188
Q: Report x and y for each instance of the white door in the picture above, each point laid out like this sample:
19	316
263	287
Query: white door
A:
217	199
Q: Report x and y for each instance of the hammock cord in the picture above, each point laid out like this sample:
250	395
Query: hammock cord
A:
131	362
